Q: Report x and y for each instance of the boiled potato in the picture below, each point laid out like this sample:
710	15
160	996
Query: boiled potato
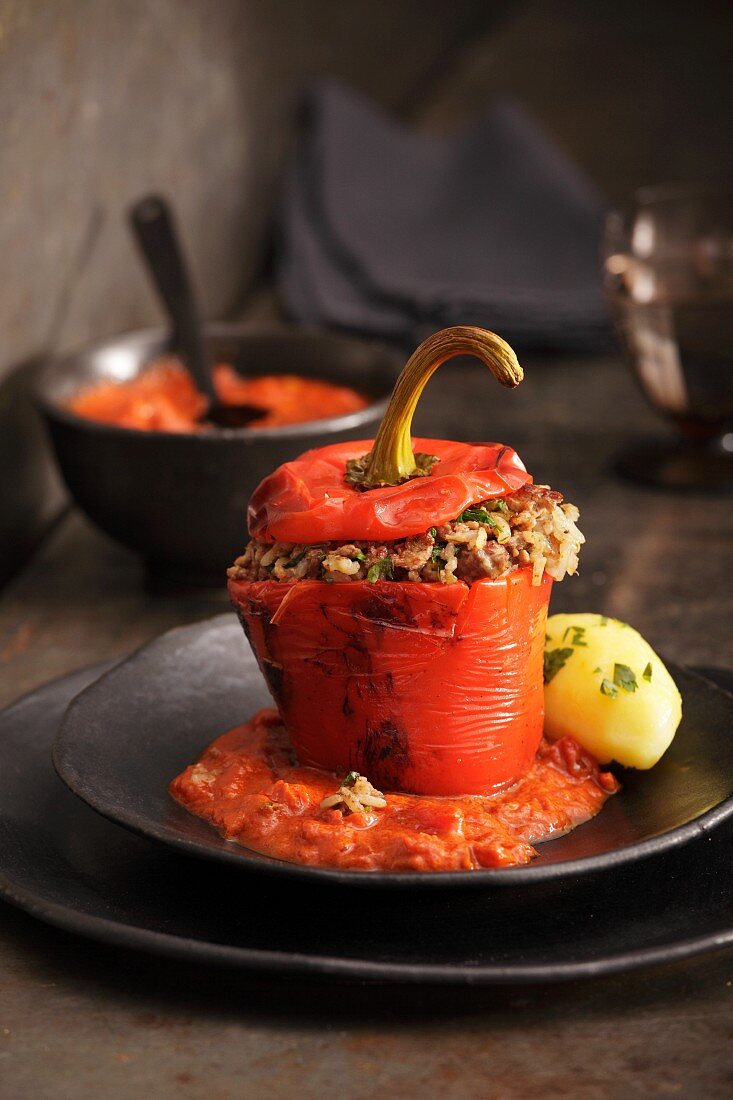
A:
606	687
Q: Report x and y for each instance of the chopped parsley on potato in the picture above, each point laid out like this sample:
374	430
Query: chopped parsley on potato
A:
606	687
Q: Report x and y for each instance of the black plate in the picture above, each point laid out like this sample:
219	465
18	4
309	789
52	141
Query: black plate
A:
67	865
129	734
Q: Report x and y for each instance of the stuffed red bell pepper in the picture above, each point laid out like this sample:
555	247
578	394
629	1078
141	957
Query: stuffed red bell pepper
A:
396	599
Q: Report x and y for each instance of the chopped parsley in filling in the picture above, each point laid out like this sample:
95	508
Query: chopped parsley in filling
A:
530	527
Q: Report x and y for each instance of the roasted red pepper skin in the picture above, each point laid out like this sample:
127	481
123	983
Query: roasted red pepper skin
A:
429	688
307	500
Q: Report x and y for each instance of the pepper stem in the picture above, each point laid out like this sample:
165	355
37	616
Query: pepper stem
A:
391	459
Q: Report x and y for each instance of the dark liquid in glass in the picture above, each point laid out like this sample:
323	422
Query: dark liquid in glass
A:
668	276
682	354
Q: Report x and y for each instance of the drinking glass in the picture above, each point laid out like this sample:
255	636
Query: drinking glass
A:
668	276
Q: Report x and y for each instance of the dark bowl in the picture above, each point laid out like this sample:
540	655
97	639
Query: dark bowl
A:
180	499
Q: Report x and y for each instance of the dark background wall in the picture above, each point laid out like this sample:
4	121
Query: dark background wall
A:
102	100
637	91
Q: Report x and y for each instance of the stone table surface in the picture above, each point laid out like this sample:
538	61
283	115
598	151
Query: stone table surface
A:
79	1019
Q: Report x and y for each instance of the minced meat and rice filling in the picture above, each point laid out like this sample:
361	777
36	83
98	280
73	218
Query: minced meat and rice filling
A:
528	527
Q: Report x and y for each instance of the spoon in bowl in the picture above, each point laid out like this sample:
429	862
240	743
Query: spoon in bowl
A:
153	227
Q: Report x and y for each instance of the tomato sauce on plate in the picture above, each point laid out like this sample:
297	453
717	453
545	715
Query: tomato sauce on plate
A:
249	786
164	398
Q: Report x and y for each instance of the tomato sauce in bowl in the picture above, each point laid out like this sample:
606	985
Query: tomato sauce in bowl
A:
164	398
249	786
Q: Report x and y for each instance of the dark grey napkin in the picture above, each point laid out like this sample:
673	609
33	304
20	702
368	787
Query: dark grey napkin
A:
394	234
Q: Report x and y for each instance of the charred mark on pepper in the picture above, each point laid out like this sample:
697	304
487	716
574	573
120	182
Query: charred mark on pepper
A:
338	620
269	632
386	753
258	609
256	612
444	619
243	621
357	658
275	676
386	609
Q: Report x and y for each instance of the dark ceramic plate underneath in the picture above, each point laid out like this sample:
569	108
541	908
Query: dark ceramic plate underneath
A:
124	738
67	865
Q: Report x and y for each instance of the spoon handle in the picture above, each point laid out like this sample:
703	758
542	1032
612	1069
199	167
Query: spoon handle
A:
154	229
